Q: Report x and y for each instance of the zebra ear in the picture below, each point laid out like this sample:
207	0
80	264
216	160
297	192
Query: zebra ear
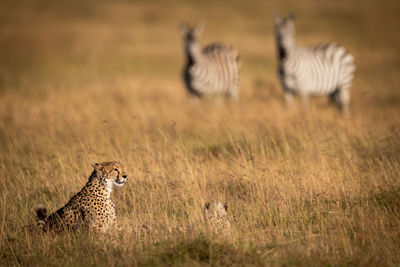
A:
277	19
200	28
184	28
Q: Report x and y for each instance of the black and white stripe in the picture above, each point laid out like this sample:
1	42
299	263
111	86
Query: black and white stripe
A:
214	70
326	69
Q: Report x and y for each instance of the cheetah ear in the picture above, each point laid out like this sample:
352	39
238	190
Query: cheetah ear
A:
184	28
207	205
292	16
226	206
95	165
198	30
277	19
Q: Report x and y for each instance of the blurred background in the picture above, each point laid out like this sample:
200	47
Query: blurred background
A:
59	45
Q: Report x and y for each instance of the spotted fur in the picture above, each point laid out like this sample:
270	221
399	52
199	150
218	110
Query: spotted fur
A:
92	207
216	218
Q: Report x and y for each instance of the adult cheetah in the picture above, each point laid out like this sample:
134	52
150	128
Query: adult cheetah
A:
92	207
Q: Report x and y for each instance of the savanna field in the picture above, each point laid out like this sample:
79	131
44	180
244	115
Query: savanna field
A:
91	81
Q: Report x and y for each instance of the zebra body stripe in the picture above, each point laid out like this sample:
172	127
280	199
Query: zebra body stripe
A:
214	70
326	69
317	71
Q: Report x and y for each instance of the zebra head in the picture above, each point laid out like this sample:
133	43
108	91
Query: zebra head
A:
192	35
285	31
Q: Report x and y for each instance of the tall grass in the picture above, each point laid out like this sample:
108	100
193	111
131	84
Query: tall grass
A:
95	81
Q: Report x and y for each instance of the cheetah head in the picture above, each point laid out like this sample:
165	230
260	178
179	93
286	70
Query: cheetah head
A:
215	209
111	173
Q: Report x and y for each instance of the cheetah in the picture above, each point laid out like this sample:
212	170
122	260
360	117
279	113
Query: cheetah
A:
216	220
92	207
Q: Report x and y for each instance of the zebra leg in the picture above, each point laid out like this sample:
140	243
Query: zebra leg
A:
289	98
234	94
343	100
334	97
194	100
304	100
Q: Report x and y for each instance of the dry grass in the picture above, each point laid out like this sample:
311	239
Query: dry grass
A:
93	80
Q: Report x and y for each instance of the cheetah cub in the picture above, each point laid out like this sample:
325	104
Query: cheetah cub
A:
215	217
92	207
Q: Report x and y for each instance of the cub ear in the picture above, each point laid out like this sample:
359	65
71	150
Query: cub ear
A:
226	206
207	205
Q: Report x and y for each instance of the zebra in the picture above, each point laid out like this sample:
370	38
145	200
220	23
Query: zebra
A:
325	69
214	70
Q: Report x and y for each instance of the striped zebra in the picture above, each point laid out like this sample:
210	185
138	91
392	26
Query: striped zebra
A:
325	69
214	70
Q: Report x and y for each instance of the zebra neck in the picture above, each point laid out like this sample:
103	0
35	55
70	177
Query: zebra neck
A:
282	53
189	59
284	50
285	46
194	54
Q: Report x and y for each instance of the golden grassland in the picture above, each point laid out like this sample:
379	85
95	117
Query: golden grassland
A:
88	81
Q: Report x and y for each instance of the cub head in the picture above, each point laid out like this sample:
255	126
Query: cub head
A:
215	209
112	173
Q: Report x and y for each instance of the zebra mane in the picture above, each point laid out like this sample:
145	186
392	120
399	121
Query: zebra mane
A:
216	47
